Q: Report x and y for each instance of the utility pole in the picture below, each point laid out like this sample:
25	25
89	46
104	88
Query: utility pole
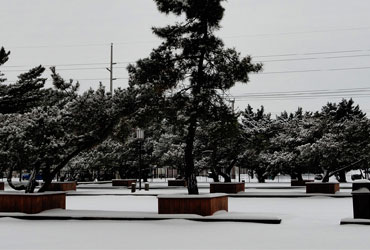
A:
233	108
110	69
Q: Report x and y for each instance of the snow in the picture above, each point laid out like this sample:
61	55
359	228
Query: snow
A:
307	223
361	181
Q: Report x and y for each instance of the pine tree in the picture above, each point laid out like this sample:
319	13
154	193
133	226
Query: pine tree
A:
190	69
4	57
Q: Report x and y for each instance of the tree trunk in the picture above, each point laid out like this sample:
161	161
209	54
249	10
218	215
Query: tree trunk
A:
342	177
261	178
226	177
214	176
10	181
189	157
30	188
299	177
326	176
228	171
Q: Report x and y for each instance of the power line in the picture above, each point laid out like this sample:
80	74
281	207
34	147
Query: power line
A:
262	56
20	70
63	65
314	58
314	53
299	32
127	62
305	94
231	36
262	73
83	79
301	97
312	70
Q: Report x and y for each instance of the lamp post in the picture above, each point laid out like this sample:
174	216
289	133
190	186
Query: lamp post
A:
140	137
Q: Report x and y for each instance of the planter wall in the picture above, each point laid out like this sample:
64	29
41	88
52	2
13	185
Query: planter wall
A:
2	185
123	182
322	187
227	187
177	183
62	186
298	183
31	203
204	204
361	204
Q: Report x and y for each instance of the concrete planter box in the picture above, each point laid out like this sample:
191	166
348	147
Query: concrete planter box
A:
62	186
361	203
123	182
360	184
297	183
177	183
1	185
31	203
227	187
203	204
322	187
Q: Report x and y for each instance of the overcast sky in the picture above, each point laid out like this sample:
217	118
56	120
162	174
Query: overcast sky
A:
325	42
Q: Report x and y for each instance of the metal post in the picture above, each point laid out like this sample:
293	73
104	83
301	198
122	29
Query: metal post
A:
140	166
239	175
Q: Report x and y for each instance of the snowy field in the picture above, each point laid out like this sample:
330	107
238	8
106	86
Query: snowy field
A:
307	223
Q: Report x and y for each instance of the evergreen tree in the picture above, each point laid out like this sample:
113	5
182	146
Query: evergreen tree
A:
258	131
190	69
4	57
342	140
219	143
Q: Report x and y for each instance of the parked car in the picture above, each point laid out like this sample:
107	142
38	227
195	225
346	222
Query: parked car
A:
356	177
27	177
318	177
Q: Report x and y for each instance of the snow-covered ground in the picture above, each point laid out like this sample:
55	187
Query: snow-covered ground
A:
307	223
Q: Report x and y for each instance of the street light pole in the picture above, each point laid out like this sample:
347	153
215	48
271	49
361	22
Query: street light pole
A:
140	136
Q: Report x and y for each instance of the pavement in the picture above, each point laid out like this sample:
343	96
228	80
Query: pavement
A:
348	221
220	216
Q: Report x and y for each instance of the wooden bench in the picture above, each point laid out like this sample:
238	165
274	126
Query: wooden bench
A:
322	187
203	204
177	183
123	182
227	187
298	183
31	203
62	186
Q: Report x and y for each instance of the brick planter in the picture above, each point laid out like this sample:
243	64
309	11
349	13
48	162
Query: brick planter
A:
177	183
1	185
298	183
322	187
361	204
62	186
227	187
360	184
123	182
31	203
203	204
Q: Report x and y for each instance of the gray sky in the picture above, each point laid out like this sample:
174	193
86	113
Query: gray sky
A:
328	39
